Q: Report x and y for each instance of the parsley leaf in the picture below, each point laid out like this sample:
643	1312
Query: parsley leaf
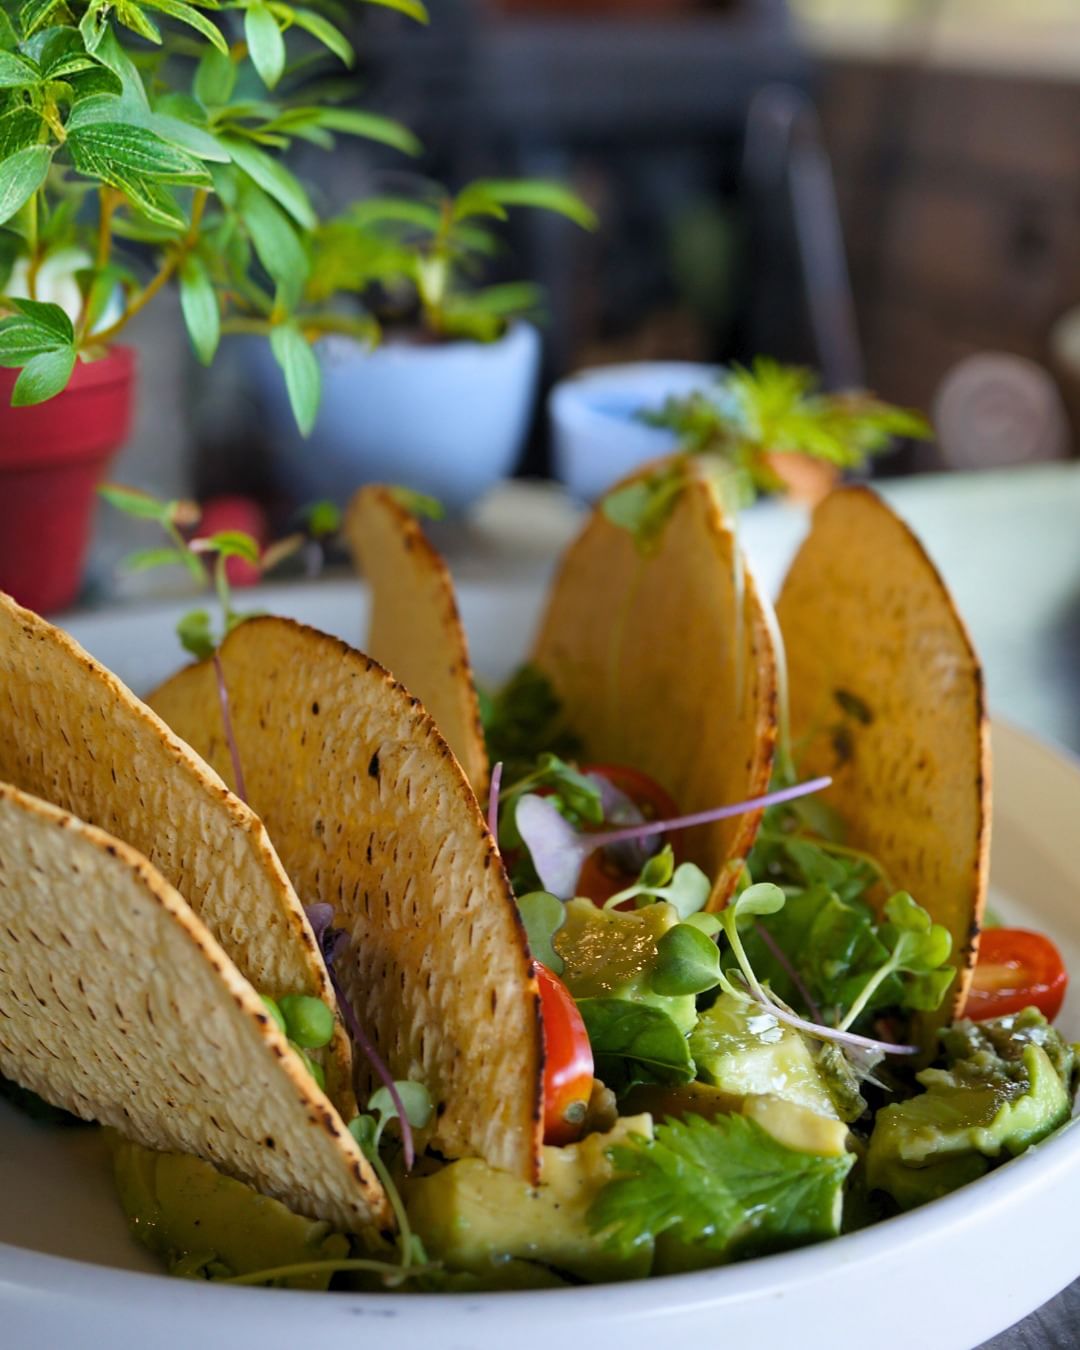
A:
726	1185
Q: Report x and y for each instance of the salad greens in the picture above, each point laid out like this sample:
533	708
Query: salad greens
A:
725	1186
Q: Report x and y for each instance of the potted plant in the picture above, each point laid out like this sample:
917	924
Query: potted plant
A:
442	403
139	145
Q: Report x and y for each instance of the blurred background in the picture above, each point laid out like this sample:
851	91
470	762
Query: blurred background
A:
885	190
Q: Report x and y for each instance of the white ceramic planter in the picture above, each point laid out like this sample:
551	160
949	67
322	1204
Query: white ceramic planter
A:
448	419
597	436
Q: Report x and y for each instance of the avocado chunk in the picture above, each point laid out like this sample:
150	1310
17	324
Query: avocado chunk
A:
968	1116
610	953
201	1222
477	1219
742	1049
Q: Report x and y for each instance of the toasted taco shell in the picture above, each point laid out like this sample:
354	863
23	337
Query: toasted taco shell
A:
415	630
117	1004
73	734
662	660
372	814
887	696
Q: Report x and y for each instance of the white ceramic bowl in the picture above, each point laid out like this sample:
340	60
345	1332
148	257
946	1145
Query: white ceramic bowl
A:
944	1277
596	434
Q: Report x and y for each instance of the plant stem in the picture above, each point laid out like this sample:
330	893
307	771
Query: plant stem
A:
32	241
230	736
398	1206
163	275
867	993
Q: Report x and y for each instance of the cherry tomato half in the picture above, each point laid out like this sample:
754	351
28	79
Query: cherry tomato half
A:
1016	969
568	1061
601	877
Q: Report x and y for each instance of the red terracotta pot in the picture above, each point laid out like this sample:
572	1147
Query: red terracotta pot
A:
52	457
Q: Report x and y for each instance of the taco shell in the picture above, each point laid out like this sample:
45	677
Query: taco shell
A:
74	735
415	629
887	696
663	661
117	1004
371	813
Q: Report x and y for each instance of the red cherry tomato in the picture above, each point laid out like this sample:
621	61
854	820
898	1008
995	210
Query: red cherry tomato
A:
1016	969
600	877
568	1061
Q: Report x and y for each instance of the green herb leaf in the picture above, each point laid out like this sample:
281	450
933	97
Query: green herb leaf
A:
418	503
199	303
543	914
635	1043
138	504
196	634
16	72
49	318
273	178
21	174
215	78
276	240
688	962
321	519
185	13
324	31
146	559
43	376
685	887
538	193
415	1098
117	152
35	14
303	378
413	8
385	130
725	1185
266	46
229	544
764	898
644	506
18	129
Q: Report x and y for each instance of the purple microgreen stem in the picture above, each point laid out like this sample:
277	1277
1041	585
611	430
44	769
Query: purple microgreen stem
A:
823	1033
559	851
789	970
493	801
320	915
226	721
605	838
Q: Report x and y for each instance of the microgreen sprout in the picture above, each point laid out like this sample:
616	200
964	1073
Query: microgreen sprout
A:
409	1104
195	628
559	850
686	887
332	943
764	899
688	962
